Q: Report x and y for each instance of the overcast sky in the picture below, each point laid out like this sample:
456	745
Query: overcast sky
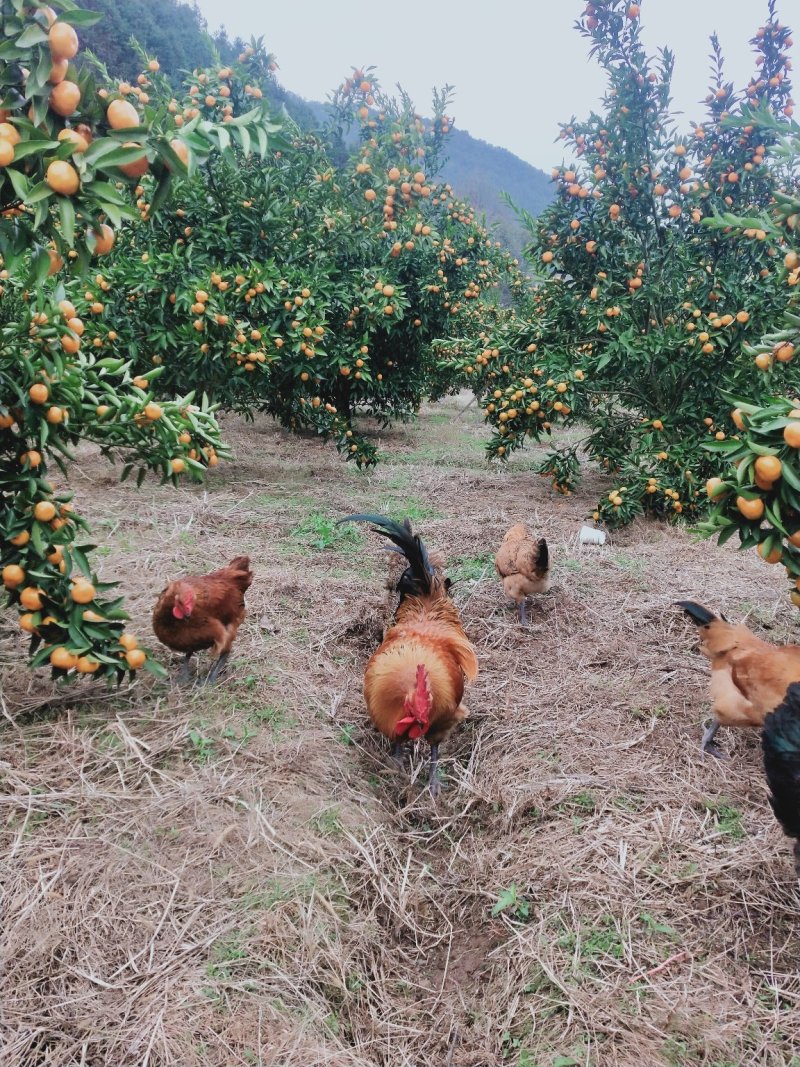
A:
518	67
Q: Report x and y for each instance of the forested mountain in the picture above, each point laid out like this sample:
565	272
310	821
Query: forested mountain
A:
174	31
177	33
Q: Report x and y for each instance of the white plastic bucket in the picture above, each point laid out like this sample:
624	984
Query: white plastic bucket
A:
590	536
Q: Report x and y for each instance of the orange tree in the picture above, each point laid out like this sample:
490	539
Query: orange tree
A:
304	288
640	315
756	494
68	153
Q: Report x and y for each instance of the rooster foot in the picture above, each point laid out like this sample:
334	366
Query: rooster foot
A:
434	785
523	613
708	746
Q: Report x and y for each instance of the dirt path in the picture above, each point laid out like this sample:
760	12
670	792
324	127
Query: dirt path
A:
234	876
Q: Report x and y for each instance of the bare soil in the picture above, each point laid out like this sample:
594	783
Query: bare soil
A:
237	875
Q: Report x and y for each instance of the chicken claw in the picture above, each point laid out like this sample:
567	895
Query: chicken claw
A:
707	746
434	785
217	669
184	676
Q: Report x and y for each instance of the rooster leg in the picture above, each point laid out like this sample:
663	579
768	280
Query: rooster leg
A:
397	753
184	677
218	667
707	745
434	784
523	612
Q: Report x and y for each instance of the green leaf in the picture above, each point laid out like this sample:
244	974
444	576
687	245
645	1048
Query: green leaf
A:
42	191
34	147
66	212
506	899
84	18
33	34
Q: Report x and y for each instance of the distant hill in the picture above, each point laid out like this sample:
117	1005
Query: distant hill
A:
178	35
480	172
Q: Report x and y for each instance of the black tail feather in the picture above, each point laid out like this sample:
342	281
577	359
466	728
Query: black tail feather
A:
544	555
780	744
702	616
423	575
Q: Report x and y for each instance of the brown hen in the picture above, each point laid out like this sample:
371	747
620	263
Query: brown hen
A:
523	563
203	611
749	677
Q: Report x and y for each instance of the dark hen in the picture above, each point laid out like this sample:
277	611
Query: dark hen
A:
780	743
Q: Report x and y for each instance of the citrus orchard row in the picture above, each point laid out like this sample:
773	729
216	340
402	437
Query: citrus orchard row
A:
643	313
304	287
69	153
757	493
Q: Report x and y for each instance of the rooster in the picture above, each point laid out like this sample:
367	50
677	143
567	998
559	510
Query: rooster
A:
400	579
523	564
748	676
780	743
203	611
414	682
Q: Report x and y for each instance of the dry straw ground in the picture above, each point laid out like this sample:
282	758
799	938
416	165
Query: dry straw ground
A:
236	876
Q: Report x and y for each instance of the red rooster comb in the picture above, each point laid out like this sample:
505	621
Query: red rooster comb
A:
417	708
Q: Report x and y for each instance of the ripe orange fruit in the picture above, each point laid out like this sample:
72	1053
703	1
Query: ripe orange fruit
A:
26	623
9	133
137	167
62	178
135	658
738	421
784	352
84	665
58	71
751	509
83	592
65	98
181	150
39	393
768	468
712	487
152	411
31	599
121	115
762	361
44	511
103	239
55	415
63	41
791	434
769	557
78	142
129	641
6	153
13	575
794	539
63	659
20	540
